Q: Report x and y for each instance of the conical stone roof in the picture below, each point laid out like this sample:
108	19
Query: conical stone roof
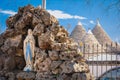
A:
91	43
78	32
100	34
89	38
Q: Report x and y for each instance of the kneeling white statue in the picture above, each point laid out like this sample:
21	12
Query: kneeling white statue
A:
29	45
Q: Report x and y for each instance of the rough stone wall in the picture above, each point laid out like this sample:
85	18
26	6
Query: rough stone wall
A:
56	55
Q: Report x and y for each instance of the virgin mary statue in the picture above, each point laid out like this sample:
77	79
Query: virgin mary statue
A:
29	45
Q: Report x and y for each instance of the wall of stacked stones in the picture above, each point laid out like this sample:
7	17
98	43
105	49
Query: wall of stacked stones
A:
57	57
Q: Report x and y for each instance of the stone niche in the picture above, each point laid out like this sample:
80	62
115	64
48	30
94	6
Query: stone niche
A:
56	55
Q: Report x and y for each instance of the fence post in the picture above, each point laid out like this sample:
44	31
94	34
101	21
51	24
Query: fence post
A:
111	51
102	52
116	59
84	50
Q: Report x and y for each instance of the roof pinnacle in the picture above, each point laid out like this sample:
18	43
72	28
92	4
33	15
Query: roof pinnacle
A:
98	23
89	31
79	23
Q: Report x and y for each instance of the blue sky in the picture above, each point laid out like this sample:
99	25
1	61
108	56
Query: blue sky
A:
70	11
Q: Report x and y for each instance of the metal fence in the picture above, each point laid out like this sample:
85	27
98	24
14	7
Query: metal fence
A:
103	60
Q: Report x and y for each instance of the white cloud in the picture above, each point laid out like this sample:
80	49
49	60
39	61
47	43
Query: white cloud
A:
92	22
57	13
9	12
61	15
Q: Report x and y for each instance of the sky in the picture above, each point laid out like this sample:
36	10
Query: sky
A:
69	12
